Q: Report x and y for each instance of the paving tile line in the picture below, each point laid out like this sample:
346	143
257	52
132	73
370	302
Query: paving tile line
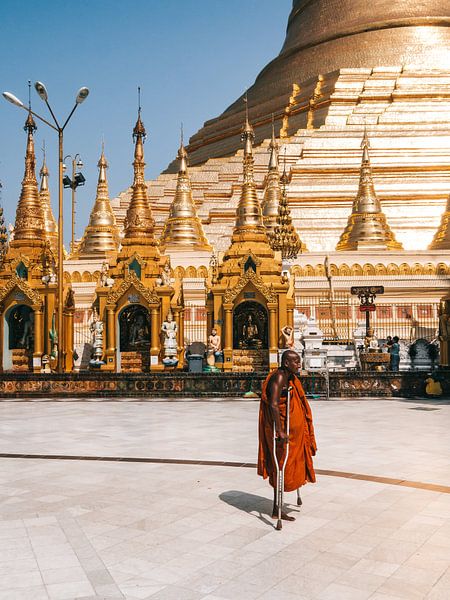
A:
94	568
432	487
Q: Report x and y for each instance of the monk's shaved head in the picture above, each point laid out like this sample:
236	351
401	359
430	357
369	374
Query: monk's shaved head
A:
288	356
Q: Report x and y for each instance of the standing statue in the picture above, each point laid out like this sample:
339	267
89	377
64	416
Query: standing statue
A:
104	274
287	333
165	278
214	352
169	333
214	266
97	339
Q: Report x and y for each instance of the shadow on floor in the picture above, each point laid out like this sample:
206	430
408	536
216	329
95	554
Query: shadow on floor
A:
257	506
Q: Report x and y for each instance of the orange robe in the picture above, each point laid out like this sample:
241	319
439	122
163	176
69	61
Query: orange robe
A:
302	443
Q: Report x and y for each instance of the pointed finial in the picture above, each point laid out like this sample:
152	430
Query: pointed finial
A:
44	169
247	133
284	176
273	162
30	125
182	154
139	129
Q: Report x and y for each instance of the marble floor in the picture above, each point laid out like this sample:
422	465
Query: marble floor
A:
77	522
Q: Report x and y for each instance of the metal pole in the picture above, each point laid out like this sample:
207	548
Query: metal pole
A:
60	255
72	244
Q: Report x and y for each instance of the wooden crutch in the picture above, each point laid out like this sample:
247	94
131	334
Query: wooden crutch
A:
280	472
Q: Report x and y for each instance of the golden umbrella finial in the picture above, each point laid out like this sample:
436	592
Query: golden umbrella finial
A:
285	238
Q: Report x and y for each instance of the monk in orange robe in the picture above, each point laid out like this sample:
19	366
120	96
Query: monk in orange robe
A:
302	443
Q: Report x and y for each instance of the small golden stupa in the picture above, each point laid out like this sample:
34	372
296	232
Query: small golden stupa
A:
51	228
183	229
441	240
101	237
272	191
367	228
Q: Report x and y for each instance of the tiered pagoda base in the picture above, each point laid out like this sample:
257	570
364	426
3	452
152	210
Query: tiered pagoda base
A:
129	386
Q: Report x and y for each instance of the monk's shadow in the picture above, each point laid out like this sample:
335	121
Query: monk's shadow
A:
257	506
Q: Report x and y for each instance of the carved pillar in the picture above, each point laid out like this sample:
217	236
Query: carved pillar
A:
2	335
110	340
228	348
155	340
273	335
38	339
177	310
68	340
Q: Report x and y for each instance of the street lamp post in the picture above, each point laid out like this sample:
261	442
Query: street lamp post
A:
77	180
81	96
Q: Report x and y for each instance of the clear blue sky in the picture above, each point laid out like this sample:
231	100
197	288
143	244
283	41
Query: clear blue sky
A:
192	58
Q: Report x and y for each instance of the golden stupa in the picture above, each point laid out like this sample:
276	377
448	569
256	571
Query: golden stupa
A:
51	228
367	228
183	229
441	240
101	238
272	191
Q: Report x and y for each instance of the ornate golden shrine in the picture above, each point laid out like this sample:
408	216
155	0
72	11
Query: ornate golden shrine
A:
444	331
28	288
134	298
249	299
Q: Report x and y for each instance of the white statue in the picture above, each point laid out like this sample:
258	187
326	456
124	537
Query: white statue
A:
165	278
11	232
169	331
97	337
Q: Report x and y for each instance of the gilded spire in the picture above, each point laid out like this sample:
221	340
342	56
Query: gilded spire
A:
367	227
272	192
183	228
248	215
441	239
101	237
51	228
139	221
285	238
29	223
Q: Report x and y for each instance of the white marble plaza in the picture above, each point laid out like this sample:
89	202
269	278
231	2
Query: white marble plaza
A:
110	530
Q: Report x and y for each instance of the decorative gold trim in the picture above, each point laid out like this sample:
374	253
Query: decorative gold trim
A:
249	277
131	280
16	282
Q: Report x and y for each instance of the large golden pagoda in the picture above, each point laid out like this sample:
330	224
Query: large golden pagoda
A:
101	237
322	37
183	229
367	228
